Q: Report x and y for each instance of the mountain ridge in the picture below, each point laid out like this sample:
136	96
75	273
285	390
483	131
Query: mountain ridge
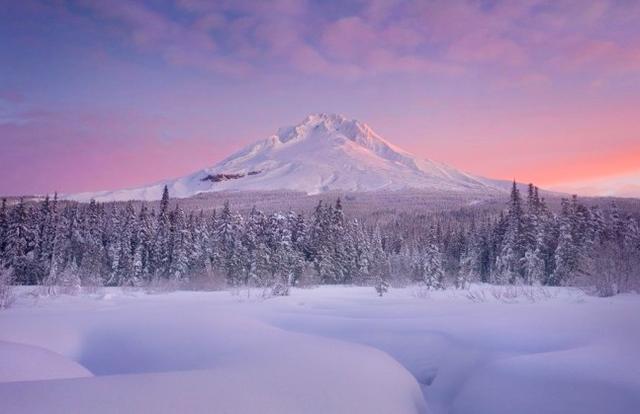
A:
325	152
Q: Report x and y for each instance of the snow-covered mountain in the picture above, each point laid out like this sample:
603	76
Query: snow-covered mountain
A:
325	152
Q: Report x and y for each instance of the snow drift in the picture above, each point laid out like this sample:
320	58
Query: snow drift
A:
19	362
333	349
184	353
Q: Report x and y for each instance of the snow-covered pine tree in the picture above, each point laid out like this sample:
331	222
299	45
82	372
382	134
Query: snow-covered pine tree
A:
60	249
338	245
471	261
126	239
511	253
161	253
224	233
44	234
566	255
91	268
4	230
534	267
198	256
113	239
63	274
496	237
299	232
631	236
164	201
532	260
597	226
296	263
530	219
379	264
434	271
180	246
235	263
6	287
348	254
286	264
256	261
232	254
20	244
615	224
427	263
143	254
321	244
547	239
454	244
362	252
213	248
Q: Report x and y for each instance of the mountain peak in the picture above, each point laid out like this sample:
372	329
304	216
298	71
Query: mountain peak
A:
325	118
324	152
323	125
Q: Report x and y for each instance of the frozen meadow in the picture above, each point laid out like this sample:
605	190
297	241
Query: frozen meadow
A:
331	349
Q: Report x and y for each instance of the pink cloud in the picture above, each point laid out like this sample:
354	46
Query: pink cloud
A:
405	38
189	45
240	38
349	38
487	49
604	54
309	61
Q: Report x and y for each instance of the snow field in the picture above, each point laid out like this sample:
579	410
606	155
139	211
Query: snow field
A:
184	352
329	349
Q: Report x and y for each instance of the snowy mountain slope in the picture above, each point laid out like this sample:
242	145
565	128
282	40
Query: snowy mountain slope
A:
323	153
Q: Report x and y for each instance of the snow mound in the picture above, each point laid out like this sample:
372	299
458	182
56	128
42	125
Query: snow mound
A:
333	349
325	152
19	362
187	355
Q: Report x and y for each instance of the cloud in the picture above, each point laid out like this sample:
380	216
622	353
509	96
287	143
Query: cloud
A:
369	37
349	38
603	54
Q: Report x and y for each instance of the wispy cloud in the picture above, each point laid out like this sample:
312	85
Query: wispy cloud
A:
359	38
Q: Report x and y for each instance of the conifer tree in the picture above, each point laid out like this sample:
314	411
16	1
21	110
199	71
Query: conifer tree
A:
470	262
164	201
4	230
94	256
566	255
20	244
180	246
161	257
143	253
379	265
509	260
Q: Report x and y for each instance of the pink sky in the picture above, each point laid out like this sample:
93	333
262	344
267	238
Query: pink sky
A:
103	95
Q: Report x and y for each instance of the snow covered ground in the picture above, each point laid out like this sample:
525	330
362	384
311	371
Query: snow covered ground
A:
324	350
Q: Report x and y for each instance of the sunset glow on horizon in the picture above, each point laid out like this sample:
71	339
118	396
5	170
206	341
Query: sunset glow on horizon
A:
103	95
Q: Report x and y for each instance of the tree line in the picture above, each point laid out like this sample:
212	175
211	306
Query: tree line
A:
115	244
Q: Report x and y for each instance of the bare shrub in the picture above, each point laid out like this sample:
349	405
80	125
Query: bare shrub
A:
422	291
477	295
508	293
